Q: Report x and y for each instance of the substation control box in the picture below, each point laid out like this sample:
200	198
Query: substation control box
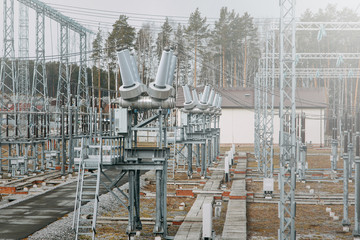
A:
184	120
268	185
121	120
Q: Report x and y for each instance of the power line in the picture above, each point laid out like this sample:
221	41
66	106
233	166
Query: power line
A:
123	13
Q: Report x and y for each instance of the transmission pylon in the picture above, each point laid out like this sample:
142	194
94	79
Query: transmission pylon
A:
257	132
268	106
334	102
83	100
8	96
63	90
39	99
23	69
287	120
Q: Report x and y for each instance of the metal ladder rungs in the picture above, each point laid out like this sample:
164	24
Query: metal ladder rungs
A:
89	186
87	220
87	200
88	194
90	174
87	191
85	233
90	181
85	227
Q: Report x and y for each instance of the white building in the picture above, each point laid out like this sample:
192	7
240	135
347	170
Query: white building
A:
237	119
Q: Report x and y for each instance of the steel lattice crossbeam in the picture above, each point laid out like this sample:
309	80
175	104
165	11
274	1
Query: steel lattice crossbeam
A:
323	72
328	26
55	15
319	56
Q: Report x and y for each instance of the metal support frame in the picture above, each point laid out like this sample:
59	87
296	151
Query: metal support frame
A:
63	90
55	15
287	177
302	154
23	69
39	96
347	154
356	232
334	103
8	81
150	158
268	84
83	100
202	130
257	122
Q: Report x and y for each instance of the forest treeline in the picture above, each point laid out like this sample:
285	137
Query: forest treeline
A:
224	53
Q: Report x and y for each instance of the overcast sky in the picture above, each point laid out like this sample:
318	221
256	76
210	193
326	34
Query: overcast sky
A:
210	8
139	11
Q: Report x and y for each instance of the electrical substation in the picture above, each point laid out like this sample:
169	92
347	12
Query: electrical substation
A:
243	128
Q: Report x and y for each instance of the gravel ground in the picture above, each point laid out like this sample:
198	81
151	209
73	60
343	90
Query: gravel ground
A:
61	229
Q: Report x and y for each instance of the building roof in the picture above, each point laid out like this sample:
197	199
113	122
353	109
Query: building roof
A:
244	98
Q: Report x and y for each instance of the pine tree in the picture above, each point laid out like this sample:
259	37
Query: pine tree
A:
97	56
182	56
122	35
251	51
164	38
220	41
144	47
196	32
97	47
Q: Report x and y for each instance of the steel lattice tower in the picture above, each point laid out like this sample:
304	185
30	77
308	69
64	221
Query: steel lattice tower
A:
63	90
7	72
39	100
287	120
268	106
23	69
334	102
83	100
257	101
261	95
